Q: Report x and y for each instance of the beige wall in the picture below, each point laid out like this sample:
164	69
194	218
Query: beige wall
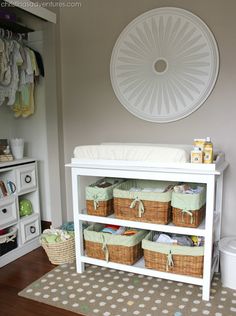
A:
91	112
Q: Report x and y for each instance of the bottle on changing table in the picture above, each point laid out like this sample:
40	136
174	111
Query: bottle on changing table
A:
196	155
208	151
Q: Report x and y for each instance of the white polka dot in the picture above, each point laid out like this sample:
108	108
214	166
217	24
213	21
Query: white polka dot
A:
185	299
163	294
223	299
141	305
102	303
76	281
92	301
125	294
104	289
46	296
58	278
89	292
95	286
46	287
120	300
44	280
113	306
154	308
177	290
64	302
136	296
146	298
136	312
63	292
173	296
169	304
220	306
75	305
65	272
218	314
29	291
166	287
61	285
145	283
101	280
106	314
180	284
165	311
189	292
51	283
151	292
205	312
109	298
158	301
121	285
124	310
181	306
99	295
96	311
125	279
72	295
130	287
141	289
55	299
194	310
114	291
37	293
53	290
208	304
233	309
155	285
196	302
86	284
70	287
50	276
67	279
91	279
233	301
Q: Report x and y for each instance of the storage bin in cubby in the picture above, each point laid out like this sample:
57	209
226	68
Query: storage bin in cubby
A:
144	206
173	258
116	248
188	210
99	200
8	241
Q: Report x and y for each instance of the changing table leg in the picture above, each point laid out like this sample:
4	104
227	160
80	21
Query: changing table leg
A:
77	223
210	198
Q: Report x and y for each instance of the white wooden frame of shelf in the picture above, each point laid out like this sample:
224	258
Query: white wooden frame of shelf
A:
212	177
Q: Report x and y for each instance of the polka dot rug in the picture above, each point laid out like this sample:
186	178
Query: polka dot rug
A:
106	292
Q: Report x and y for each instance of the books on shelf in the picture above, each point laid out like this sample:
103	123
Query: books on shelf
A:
7	188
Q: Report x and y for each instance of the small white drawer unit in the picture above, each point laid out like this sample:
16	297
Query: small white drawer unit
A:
8	211
29	227
26	178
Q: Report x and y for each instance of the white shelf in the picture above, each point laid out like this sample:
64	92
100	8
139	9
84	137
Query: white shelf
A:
170	228
139	268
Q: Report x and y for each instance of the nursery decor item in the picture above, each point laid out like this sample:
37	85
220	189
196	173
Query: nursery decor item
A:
26	207
103	291
164	64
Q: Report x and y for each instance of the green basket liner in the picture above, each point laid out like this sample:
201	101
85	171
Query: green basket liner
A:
148	244
190	202
93	233
122	190
101	194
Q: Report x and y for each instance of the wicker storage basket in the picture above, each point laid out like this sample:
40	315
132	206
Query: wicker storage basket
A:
173	258
8	241
115	248
99	201
60	252
143	206
188	210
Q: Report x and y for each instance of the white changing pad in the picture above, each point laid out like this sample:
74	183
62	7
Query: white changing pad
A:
151	153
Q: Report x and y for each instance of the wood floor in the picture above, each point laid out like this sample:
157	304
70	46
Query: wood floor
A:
15	276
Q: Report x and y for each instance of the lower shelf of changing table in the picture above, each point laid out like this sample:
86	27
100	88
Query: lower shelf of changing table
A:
139	268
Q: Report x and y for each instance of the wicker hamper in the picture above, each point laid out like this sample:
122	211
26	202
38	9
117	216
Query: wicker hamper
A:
60	252
8	241
188	210
173	258
143	206
115	248
99	200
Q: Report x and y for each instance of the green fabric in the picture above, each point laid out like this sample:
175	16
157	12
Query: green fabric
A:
101	194
122	190
93	233
148	244
187	202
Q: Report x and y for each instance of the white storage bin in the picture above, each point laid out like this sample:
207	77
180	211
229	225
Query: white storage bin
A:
227	247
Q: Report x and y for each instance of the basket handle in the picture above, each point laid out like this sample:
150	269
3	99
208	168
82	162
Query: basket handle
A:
140	206
105	249
169	261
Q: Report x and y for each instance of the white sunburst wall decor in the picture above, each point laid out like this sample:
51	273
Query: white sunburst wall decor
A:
164	65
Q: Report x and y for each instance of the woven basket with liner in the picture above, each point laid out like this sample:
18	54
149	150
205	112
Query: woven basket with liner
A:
188	210
173	258
60	252
8	241
115	248
99	200
143	206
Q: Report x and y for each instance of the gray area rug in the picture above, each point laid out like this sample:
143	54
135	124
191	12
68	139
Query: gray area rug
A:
106	292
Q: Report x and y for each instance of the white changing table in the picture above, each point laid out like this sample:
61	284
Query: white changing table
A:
210	174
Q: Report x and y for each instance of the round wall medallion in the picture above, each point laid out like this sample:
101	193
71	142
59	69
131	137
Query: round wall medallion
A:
164	65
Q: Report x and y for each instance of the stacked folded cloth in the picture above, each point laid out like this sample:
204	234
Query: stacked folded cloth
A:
55	235
119	230
182	240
